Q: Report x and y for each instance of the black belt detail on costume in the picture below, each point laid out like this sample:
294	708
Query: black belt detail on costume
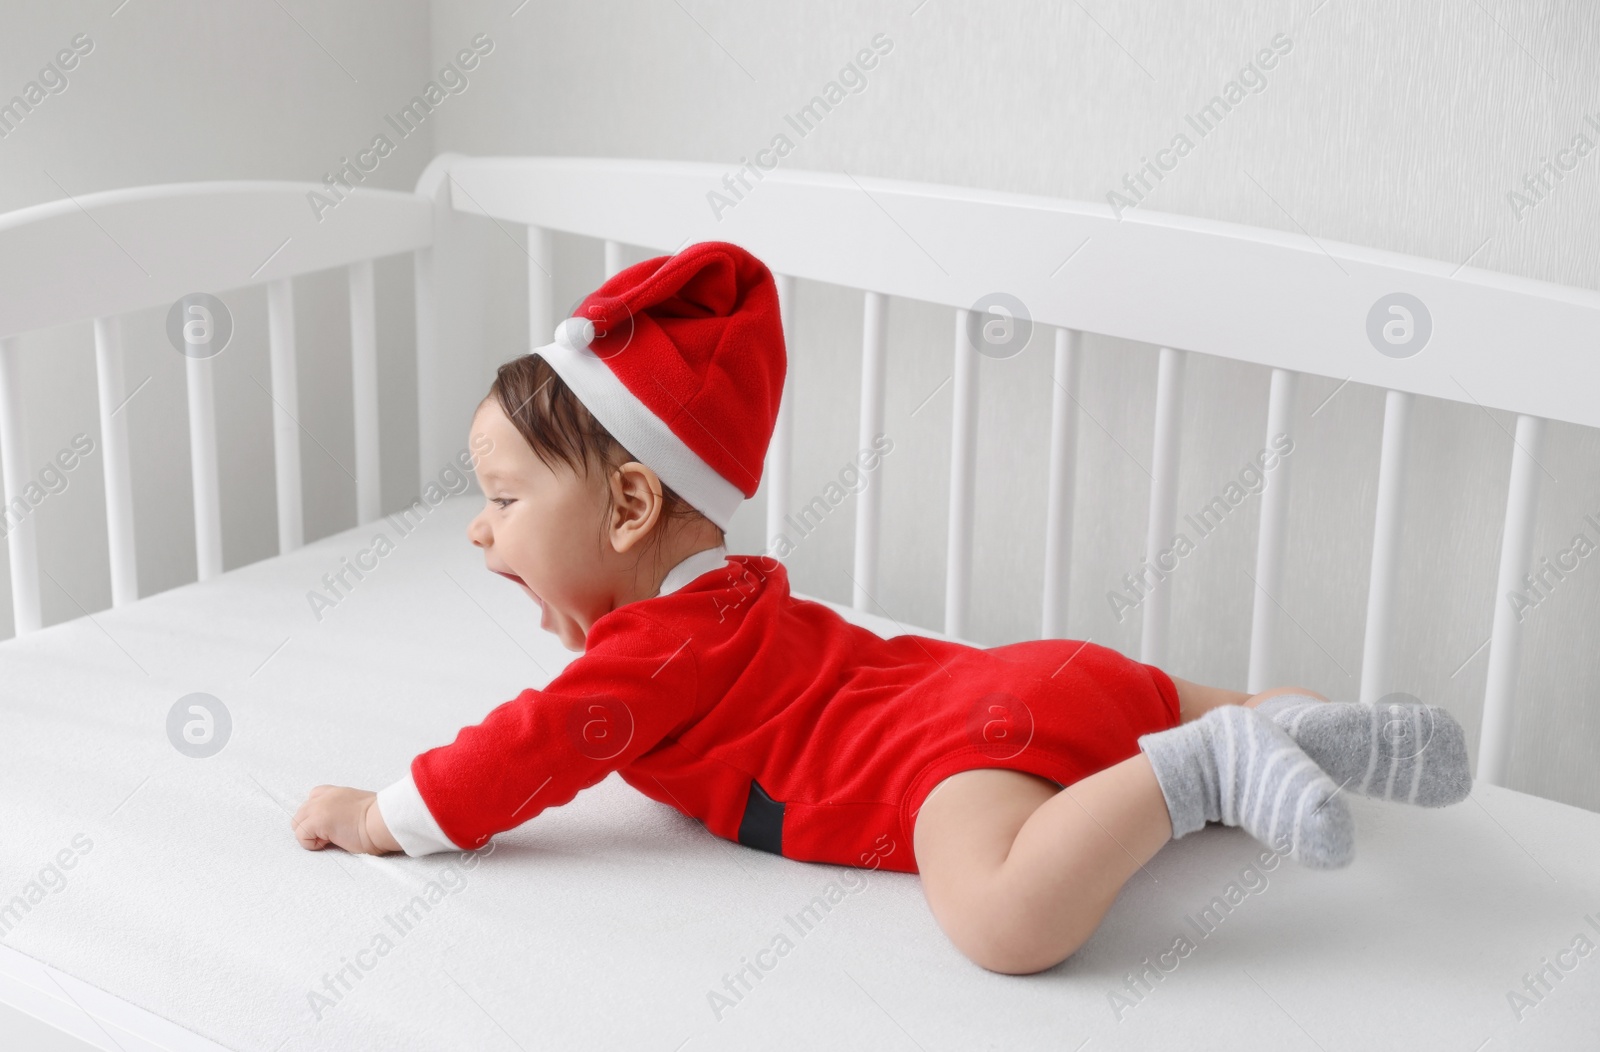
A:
762	825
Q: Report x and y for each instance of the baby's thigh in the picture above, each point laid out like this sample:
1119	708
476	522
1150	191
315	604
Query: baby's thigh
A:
962	834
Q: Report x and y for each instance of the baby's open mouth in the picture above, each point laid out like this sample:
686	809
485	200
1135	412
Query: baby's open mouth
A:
514	577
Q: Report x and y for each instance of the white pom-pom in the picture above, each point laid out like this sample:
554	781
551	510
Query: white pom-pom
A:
576	333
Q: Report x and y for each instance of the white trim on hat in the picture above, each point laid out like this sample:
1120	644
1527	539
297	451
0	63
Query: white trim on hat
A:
633	424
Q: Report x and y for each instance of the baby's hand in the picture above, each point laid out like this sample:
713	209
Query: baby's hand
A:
350	818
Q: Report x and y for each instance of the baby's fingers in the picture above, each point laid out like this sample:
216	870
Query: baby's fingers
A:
306	832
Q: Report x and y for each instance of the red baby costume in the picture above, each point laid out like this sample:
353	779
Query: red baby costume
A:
771	719
779	724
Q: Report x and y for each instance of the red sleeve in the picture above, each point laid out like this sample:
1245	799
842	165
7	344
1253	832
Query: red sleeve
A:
635	685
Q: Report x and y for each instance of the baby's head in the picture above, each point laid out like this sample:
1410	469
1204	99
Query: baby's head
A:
569	514
626	444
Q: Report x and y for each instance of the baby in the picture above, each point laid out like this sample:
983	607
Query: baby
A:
1024	783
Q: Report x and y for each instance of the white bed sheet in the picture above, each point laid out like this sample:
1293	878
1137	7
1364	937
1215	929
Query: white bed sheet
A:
609	922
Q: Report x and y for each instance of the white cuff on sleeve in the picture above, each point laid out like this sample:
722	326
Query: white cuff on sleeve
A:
409	820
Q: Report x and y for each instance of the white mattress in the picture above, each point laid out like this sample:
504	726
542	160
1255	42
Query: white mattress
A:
609	922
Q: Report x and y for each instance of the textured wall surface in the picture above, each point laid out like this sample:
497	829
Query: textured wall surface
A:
1399	126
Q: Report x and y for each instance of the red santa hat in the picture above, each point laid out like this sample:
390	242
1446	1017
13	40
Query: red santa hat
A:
682	359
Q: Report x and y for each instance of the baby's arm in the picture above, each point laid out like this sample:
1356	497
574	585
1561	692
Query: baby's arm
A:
350	818
635	684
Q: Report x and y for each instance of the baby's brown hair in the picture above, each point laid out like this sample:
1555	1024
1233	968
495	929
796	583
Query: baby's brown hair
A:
560	429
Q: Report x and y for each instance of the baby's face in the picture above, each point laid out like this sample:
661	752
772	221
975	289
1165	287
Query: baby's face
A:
540	527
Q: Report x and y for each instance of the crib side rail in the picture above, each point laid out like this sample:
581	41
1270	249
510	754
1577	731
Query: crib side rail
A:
1249	294
1291	302
99	256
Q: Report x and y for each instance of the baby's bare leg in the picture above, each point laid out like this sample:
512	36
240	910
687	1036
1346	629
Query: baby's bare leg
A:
1018	873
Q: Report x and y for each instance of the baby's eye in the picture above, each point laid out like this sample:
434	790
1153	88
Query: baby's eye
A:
502	501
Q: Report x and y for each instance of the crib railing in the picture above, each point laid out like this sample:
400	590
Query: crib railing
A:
1289	302
102	255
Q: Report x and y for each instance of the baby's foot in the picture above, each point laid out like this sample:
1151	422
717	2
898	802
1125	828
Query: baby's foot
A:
1237	767
1394	750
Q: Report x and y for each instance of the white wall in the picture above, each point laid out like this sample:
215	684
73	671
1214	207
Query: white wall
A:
1397	126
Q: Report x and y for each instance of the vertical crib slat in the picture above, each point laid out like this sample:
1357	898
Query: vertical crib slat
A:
1505	641
963	467
364	382
541	287
26	608
1270	541
1376	648
1063	471
1163	504
429	368
203	468
114	456
614	260
780	453
874	355
285	411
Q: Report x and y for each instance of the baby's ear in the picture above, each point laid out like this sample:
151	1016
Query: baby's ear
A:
636	505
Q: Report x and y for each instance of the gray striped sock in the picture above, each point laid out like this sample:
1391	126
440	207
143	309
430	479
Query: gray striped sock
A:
1394	750
1235	766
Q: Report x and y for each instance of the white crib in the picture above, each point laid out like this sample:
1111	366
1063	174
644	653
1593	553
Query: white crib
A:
196	923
